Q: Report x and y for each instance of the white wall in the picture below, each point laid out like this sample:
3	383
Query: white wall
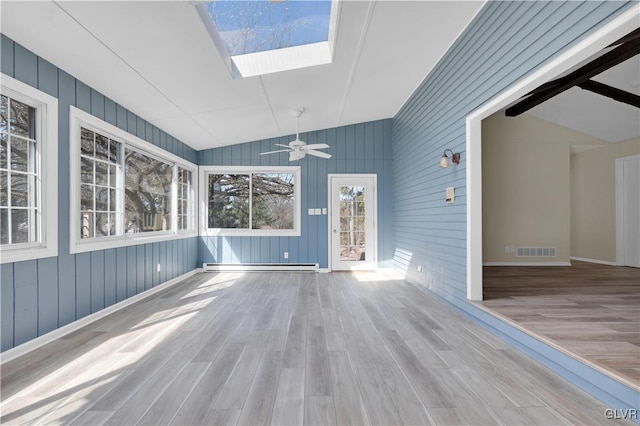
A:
526	186
593	209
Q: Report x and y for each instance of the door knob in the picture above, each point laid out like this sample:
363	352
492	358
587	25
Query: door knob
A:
335	231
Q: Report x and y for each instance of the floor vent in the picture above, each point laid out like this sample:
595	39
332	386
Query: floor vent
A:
246	267
535	251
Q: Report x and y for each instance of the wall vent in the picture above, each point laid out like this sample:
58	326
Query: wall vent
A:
535	252
246	267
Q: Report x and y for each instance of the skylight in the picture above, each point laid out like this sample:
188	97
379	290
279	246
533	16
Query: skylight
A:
264	36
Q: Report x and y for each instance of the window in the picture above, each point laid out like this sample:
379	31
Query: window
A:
99	189
124	188
241	201
185	199
28	172
148	193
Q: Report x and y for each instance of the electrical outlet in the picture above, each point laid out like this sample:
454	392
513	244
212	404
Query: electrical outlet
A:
158	267
507	249
419	268
286	254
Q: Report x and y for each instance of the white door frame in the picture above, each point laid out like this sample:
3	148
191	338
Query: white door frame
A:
620	231
609	33
373	176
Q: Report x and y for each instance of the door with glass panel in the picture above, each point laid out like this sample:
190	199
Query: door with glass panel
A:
352	222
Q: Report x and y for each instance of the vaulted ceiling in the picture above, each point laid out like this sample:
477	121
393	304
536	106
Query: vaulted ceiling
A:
158	60
596	114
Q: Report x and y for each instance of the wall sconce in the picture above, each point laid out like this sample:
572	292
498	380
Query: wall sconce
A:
444	161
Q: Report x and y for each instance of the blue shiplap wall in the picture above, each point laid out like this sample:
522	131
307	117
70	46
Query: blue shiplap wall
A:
39	296
505	42
359	148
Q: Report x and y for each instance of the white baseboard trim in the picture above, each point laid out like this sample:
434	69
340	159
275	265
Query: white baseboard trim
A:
38	342
324	270
601	262
526	263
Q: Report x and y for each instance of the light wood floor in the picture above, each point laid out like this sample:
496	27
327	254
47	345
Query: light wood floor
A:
590	310
287	348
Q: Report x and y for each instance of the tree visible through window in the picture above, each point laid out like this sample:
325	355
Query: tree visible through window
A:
127	190
264	201
352	223
147	193
18	173
99	192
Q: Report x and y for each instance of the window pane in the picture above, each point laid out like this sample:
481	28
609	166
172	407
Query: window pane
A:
19	154
102	147
273	201
86	197
228	201
86	142
4	113
4	189
112	176
102	199
19	226
112	200
103	225
21	119
3	151
101	173
86	225
19	190
114	151
86	171
148	193
4	226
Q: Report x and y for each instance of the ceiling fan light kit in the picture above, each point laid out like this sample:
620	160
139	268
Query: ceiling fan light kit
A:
298	149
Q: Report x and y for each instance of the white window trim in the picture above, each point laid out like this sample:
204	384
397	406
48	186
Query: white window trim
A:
204	204
47	152
78	118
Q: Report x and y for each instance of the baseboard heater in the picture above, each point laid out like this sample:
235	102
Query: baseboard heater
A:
247	267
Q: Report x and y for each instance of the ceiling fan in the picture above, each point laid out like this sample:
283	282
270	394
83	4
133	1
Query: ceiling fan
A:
297	149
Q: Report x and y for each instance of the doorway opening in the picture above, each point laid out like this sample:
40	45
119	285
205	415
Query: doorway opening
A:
525	274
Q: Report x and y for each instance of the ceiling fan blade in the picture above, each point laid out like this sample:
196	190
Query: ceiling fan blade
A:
318	153
273	152
317	146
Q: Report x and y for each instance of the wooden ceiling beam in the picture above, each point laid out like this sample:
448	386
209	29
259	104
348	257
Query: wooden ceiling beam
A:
633	35
611	92
616	56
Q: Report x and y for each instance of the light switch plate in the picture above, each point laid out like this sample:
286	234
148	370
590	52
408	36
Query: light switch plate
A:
311	212
317	211
324	210
450	195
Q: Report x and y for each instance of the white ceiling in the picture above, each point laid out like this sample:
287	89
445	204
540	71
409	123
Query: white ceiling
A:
594	114
157	59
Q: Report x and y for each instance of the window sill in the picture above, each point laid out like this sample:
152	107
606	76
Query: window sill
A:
249	233
127	240
27	253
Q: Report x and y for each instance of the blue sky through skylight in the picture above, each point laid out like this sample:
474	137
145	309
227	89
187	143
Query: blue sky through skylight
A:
261	25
